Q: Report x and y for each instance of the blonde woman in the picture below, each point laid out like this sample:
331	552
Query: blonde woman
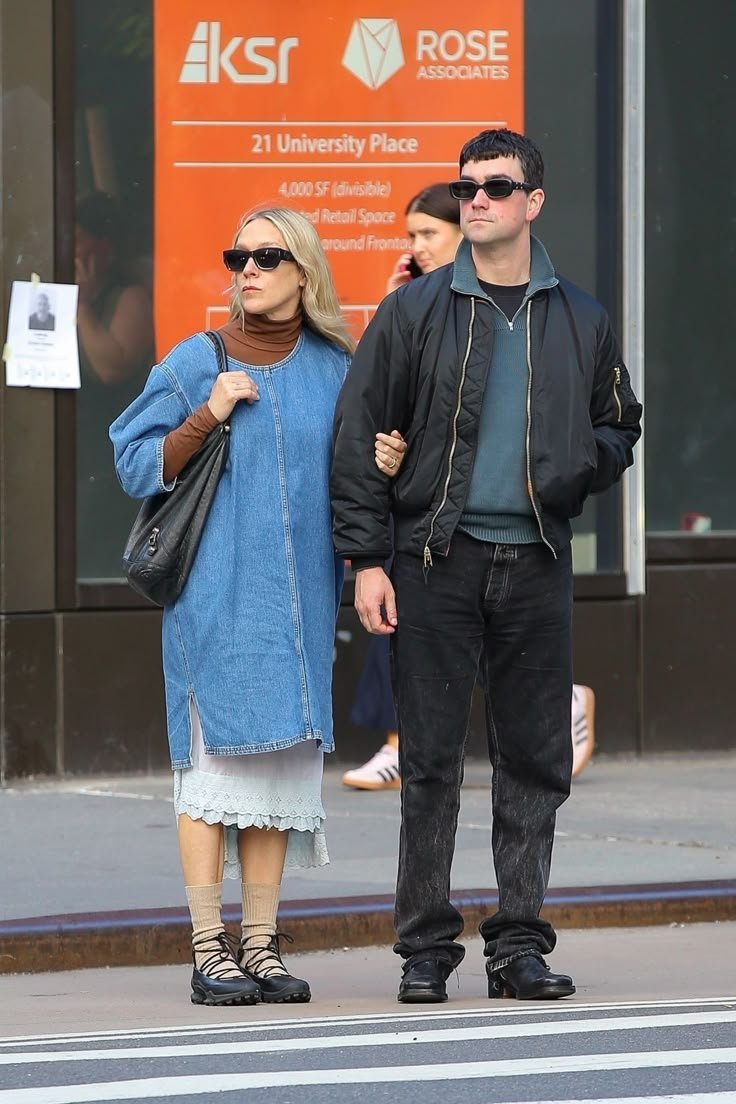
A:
247	648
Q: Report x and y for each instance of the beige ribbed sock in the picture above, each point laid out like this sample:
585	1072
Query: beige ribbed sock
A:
260	907
210	955
205	908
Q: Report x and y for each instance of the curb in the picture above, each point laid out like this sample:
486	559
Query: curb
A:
158	937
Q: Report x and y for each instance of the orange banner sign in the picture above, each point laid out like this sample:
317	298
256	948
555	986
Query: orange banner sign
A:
342	115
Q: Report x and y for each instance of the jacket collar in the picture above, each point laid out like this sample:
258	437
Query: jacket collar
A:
465	279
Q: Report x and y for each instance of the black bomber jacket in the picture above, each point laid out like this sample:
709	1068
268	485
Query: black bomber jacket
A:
421	367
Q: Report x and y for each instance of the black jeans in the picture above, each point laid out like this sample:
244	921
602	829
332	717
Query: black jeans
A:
510	607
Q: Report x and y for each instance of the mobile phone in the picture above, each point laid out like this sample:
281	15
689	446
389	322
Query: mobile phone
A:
413	269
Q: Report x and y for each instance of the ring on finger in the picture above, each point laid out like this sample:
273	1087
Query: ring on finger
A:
392	463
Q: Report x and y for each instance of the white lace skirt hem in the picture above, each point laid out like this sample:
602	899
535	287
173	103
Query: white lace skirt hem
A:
281	790
248	820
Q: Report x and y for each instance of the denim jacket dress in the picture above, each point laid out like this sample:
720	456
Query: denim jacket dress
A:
250	640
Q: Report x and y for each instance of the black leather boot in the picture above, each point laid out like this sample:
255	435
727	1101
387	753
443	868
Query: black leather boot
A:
424	981
528	978
217	957
264	965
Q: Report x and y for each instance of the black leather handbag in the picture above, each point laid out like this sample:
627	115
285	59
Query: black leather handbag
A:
165	536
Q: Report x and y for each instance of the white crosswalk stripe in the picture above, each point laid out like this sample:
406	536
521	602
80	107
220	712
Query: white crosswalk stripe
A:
535	1011
169	1087
376	1039
689	1098
577	1053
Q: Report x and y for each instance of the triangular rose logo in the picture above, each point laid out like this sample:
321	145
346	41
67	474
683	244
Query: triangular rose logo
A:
373	53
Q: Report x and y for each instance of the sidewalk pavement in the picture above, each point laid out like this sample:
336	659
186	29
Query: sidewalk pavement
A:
91	874
615	970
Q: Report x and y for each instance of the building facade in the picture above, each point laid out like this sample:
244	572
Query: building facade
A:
632	102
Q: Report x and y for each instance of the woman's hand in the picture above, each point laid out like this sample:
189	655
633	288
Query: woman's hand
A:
401	274
230	388
390	452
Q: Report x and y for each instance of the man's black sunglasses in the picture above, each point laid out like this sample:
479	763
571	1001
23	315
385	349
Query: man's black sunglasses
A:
498	188
267	259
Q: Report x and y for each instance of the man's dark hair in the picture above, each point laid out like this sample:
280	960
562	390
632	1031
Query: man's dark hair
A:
490	144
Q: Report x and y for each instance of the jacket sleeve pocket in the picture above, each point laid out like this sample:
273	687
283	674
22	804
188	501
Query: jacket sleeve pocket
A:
615	412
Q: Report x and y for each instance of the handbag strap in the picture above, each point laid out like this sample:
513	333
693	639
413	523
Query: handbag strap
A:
220	353
221	357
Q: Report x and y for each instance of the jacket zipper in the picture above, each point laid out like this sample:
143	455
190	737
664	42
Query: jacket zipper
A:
617	383
530	488
427	553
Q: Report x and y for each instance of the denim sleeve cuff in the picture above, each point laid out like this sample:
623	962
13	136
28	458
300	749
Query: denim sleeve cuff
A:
162	486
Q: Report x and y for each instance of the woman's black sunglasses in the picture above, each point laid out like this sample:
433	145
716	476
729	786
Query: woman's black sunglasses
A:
498	188
267	259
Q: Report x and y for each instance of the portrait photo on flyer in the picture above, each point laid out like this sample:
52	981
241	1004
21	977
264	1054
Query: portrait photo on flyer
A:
41	347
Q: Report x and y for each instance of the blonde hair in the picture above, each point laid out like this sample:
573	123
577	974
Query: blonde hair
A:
319	299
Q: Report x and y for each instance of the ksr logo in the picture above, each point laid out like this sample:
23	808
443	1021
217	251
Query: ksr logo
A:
206	58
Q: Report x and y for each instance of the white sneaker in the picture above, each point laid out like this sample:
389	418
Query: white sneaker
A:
379	773
583	729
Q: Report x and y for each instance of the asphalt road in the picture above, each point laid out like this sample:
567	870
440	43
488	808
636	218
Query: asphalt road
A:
653	1021
651	1052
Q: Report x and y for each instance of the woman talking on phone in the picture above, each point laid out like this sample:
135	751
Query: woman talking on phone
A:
433	228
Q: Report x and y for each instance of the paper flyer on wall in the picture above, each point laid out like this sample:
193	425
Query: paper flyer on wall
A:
41	347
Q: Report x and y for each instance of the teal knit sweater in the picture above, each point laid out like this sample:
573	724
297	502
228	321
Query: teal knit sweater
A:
498	507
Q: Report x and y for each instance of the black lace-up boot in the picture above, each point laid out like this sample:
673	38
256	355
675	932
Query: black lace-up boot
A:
216	977
260	958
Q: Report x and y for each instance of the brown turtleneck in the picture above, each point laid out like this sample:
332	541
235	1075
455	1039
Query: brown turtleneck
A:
257	341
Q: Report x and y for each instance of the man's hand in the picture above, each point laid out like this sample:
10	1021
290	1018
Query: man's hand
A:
375	601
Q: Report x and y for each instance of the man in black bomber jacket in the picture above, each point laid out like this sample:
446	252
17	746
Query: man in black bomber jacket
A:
507	382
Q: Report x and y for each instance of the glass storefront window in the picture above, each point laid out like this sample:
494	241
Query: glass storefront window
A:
690	268
113	259
570	48
570	110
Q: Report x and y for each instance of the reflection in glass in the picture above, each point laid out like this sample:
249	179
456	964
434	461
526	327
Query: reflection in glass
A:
113	260
690	269
571	47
